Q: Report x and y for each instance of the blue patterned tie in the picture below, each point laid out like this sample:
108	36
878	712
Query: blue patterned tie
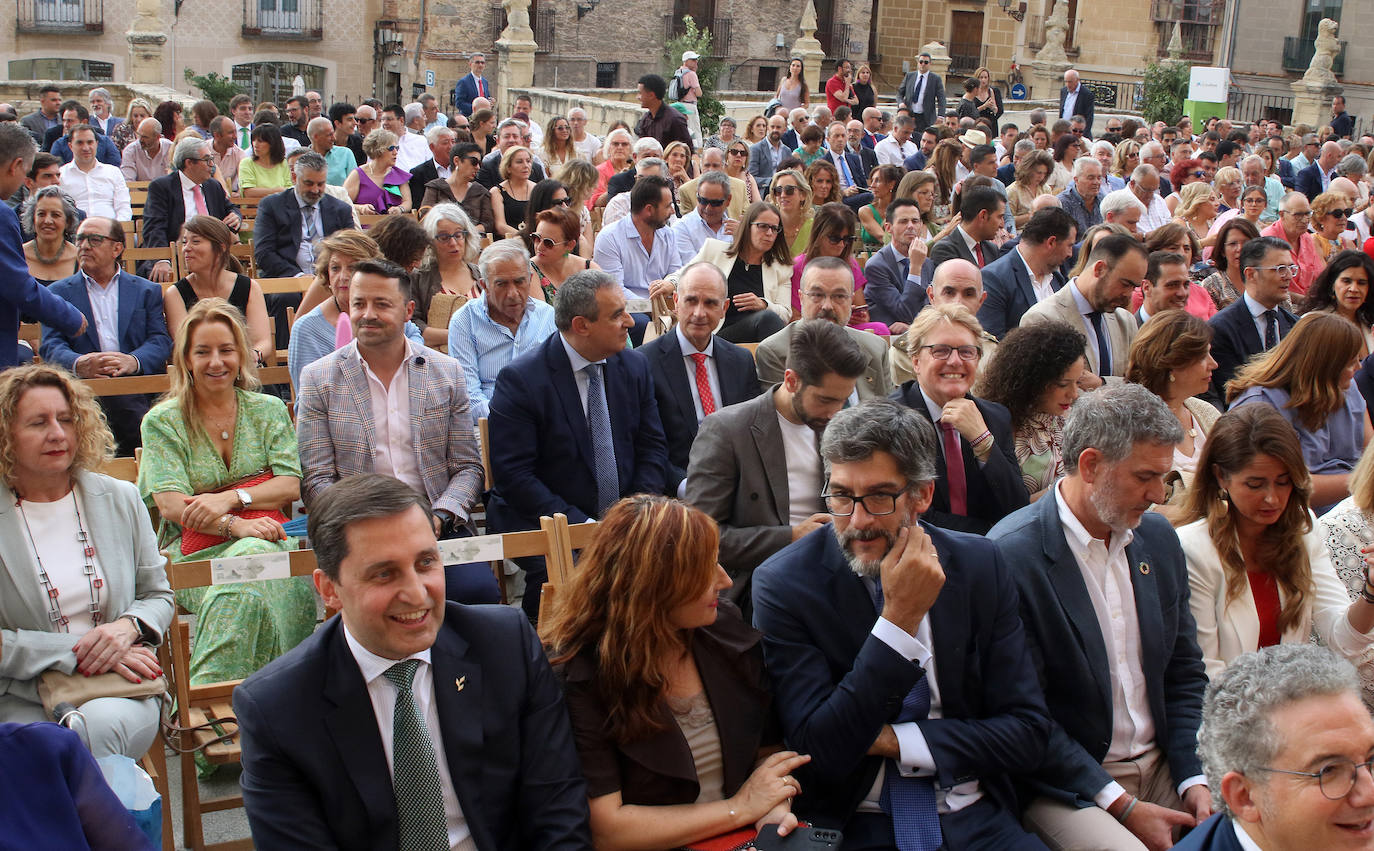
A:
421	822
603	443
910	800
1104	349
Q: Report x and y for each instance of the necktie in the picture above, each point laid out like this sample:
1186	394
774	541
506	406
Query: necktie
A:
414	769
906	268
199	195
978	252
844	170
481	88
920	93
910	800
243	138
1104	351
954	470
603	444
708	401
312	223
1271	329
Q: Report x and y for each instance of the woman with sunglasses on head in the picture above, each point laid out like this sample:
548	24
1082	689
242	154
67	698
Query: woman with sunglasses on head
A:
758	275
833	234
1330	213
461	187
379	184
792	194
558	145
1343	288
737	166
554	257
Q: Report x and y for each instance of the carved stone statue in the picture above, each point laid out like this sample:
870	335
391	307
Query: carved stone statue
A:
1056	34
517	17
808	20
1319	71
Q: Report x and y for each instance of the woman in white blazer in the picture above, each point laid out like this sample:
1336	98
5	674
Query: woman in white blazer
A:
1258	565
758	275
83	588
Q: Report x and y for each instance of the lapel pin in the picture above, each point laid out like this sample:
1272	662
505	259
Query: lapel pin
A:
1144	569
460	682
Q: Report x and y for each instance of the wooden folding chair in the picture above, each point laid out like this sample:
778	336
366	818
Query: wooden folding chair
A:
124	469
204	717
567	538
132	257
284	285
244	254
752	347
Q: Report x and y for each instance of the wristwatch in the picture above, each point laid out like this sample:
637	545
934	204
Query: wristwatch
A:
245	498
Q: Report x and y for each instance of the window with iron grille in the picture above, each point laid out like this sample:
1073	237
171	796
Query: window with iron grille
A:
272	81
61	69
607	75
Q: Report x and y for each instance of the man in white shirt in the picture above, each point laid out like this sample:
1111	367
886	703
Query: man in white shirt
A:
96	187
413	147
1144	185
241	108
894	149
1104	597
709	220
587	146
405	722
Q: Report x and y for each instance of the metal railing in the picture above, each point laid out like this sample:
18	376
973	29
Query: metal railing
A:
965	57
673	27
60	16
1115	94
299	20
1253	106
1199	40
1298	51
541	21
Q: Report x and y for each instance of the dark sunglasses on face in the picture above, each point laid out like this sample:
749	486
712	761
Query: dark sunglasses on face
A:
739	153
472	161
1341	214
711	202
786	190
836	240
562	202
1200	174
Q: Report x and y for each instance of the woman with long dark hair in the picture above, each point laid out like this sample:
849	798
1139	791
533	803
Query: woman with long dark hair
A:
1343	288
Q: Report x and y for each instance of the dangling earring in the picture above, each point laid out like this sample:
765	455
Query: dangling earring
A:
1224	499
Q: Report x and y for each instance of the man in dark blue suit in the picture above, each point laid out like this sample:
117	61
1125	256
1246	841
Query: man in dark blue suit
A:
574	423
1313	180
896	654
1298	785
1104	599
57	140
900	271
1028	273
687	391
166	210
848	165
1257	320
405	722
134	343
473	85
280	248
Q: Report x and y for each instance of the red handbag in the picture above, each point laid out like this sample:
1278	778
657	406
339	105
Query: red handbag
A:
193	541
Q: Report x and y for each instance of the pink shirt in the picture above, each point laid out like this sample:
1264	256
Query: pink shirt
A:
1304	254
394	447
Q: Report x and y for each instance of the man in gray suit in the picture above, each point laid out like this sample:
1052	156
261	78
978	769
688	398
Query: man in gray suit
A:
827	292
1097	302
748	458
765	154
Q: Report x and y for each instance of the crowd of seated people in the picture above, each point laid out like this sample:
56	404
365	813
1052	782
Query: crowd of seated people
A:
954	573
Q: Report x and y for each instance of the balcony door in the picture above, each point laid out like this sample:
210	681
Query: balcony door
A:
279	15
58	13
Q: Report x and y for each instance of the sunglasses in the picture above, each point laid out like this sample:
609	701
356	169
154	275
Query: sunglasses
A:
548	244
738	153
472	161
94	239
789	189
394	148
711	202
1342	214
562	202
836	240
1201	174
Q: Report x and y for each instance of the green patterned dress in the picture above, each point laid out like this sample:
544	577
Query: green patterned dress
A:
239	627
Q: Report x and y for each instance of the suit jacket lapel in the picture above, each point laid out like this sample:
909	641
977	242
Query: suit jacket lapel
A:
20	567
98	516
458	695
1149	616
1023	280
351	368
767	435
126	304
670	361
949	627
913	399
352	726
1072	591
81	300
565	385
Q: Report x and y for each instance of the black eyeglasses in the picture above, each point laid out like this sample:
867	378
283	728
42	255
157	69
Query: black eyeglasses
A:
1335	779
836	240
94	239
711	202
771	228
1342	214
942	352
876	504
456	236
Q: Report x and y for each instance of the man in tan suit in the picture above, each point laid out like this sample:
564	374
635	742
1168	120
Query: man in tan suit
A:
827	292
1097	302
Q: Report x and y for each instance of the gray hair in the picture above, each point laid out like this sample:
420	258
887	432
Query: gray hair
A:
1237	733
186	149
501	251
646	144
1151	149
642	166
1084	163
1253	159
414	111
1023	147
510	122
577	297
1352	165
434	133
1113	420
362	497
16	144
1143	171
1103	145
427	98
1119	201
102	91
156	125
881	425
715	178
317	125
68	209
310	161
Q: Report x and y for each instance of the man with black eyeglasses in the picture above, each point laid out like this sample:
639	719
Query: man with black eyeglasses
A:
896	653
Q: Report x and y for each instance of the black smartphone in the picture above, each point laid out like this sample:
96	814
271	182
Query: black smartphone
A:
800	839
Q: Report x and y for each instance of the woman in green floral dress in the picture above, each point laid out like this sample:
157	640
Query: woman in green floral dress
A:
210	436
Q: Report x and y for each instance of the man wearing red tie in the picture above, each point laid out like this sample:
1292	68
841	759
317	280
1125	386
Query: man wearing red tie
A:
473	85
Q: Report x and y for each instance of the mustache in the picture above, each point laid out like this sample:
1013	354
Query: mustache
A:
849	536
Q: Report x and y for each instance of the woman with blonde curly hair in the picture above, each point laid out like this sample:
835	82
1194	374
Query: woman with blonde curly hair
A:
792	193
656	666
1330	213
1032	180
1258	567
68	608
1197	209
1125	159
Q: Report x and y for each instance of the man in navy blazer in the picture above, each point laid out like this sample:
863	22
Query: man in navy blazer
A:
765	154
899	272
279	233
486	713
1104	599
864	618
473	85
1312	180
165	211
1084	102
731	375
1046	242
542	456
137	344
1236	335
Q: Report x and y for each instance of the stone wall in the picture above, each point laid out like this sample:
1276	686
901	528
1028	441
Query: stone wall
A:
23	94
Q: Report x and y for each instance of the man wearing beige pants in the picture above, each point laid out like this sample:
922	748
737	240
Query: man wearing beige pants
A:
689	90
1104	600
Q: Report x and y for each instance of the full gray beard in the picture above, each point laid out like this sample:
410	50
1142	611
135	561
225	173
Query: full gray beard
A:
867	569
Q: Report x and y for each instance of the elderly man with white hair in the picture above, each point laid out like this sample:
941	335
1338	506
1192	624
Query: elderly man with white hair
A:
1081	200
1121	207
1144	185
102	117
644	146
588	147
413	148
1253	172
149	156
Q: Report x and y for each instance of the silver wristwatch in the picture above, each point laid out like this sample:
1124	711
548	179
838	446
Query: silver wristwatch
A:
245	498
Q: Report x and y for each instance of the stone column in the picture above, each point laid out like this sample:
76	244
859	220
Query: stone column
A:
515	54
146	39
939	65
808	50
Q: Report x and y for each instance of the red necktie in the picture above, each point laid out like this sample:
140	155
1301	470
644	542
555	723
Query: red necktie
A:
708	402
481	88
978	252
954	470
201	209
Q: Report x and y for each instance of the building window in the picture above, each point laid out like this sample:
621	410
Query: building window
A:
1315	11
607	75
61	69
768	78
273	81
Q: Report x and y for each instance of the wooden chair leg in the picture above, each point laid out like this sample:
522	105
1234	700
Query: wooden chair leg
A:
155	763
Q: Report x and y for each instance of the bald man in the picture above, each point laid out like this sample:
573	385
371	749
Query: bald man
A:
149	156
955	281
1313	180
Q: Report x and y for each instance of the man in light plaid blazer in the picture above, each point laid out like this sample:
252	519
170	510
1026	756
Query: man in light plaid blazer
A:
384	404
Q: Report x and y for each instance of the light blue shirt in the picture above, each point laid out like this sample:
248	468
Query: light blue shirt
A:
312	337
692	232
482	346
620	253
341	163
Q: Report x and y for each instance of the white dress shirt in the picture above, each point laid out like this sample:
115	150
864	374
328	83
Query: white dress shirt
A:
105	310
1246	843
393	446
1071	103
1104	364
188	194
414	151
579	368
1261	321
98	192
1043	286
889	152
690	364
382	693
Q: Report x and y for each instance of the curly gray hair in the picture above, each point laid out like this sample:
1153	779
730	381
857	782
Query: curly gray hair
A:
1113	420
68	209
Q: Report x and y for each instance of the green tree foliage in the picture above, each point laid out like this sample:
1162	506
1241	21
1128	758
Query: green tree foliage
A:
214	88
694	38
1166	86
